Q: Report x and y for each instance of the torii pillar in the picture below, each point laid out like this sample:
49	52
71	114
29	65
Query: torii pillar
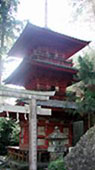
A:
33	131
33	135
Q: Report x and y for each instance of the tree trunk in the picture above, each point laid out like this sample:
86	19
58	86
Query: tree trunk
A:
2	46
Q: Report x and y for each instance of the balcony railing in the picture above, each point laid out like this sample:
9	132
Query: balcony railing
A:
52	59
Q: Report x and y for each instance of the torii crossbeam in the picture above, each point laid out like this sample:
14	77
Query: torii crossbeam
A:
33	96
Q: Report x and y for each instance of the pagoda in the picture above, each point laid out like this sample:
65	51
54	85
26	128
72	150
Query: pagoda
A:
46	66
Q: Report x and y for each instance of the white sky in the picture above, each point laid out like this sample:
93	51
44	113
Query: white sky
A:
34	10
59	13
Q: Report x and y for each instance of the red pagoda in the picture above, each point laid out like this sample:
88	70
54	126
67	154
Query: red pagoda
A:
46	66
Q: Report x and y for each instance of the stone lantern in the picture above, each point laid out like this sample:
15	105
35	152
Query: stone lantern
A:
56	144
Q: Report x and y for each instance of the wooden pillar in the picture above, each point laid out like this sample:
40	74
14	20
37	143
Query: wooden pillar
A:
33	135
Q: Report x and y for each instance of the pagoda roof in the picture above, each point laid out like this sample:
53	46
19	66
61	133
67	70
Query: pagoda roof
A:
34	36
19	76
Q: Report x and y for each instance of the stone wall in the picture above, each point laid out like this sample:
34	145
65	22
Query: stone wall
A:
82	156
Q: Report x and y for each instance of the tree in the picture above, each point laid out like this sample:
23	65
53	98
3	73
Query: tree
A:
9	27
8	23
15	134
86	102
82	5
9	134
83	12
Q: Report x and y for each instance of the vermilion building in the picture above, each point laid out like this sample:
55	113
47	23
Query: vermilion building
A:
46	66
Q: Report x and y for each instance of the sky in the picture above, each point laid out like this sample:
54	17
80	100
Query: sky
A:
34	10
59	15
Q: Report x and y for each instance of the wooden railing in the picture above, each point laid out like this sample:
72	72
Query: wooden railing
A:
16	154
53	60
20	158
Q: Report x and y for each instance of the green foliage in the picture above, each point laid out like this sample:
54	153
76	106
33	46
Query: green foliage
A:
82	6
9	26
86	71
8	134
70	96
78	7
15	134
83	15
86	102
57	165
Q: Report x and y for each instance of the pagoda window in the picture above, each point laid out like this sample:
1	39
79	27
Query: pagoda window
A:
41	130
44	52
41	142
41	135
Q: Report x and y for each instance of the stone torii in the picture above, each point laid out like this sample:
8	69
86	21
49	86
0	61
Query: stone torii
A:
33	96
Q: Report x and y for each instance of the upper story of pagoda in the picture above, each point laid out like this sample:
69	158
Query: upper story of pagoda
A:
46	63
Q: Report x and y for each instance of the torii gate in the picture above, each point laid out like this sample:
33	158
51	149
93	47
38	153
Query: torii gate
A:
33	96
